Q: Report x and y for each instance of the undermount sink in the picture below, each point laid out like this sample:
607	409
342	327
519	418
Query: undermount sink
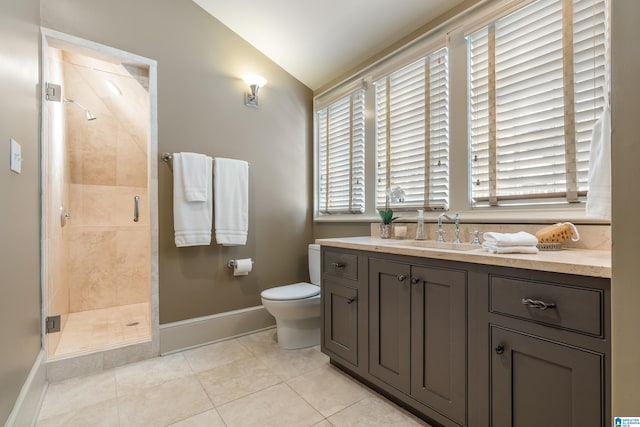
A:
433	244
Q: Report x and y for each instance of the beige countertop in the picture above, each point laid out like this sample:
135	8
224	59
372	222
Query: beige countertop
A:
583	262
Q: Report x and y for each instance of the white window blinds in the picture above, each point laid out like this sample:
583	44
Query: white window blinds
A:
536	79
340	132
412	133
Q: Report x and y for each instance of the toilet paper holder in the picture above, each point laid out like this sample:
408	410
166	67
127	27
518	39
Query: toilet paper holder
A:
232	263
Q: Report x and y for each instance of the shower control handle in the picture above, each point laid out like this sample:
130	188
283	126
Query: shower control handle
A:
136	208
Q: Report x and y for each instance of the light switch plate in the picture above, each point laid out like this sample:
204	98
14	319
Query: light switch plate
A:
15	155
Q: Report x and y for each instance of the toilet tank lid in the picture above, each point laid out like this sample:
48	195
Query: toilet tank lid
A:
290	292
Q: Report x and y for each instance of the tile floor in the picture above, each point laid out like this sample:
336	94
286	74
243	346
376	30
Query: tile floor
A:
104	328
247	381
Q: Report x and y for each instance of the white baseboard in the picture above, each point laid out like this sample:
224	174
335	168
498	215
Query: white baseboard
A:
185	334
25	411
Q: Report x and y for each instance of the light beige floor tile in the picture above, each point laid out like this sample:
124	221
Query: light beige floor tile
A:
288	364
103	414
328	390
132	378
206	419
77	393
164	404
275	406
324	423
214	355
236	379
374	411
261	342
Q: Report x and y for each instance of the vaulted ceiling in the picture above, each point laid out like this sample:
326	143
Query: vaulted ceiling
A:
317	41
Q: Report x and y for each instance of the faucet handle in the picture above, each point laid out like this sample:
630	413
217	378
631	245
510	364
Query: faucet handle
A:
476	237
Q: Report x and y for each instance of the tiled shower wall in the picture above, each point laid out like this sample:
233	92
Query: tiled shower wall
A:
109	261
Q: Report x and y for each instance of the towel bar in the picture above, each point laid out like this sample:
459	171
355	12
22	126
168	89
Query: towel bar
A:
168	158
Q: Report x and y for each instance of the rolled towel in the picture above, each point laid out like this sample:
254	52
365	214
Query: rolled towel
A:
521	238
509	249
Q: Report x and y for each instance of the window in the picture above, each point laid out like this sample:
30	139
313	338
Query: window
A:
490	112
412	133
536	79
340	134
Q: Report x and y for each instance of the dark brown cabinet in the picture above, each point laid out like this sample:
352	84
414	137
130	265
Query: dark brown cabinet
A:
471	345
536	382
344	299
548	345
417	333
340	321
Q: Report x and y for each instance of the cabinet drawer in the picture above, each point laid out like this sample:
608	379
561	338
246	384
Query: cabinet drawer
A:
577	309
340	264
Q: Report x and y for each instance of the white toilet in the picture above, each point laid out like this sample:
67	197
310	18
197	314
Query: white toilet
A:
296	307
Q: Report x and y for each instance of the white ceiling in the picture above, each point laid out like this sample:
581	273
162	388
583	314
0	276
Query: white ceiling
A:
317	41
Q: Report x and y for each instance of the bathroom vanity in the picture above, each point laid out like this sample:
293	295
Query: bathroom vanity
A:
468	338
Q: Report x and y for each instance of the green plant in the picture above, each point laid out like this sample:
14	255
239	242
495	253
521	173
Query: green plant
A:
393	195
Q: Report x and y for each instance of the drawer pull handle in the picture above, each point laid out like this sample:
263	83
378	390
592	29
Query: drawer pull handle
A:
350	300
401	277
499	349
338	264
415	280
538	304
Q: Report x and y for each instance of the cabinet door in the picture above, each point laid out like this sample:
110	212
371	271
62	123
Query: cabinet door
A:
438	340
340	305
389	322
535	382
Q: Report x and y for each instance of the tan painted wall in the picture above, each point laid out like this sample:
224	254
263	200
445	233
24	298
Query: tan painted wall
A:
19	199
201	109
625	143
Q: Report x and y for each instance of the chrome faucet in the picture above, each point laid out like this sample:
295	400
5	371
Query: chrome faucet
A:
440	231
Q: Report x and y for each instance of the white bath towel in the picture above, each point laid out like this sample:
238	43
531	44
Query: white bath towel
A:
599	195
510	249
231	194
521	238
196	175
191	220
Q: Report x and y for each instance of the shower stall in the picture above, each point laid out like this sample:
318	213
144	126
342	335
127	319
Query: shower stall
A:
99	250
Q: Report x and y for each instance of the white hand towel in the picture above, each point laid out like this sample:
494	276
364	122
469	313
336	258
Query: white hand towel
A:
191	220
509	249
196	172
599	195
231	194
521	238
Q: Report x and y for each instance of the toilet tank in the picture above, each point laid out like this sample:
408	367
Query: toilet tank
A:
314	264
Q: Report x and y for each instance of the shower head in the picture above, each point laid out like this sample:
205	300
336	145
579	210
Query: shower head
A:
88	113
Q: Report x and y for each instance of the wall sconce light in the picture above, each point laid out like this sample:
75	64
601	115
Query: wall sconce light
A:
254	82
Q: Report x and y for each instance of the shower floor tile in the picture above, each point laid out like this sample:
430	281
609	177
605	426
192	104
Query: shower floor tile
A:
104	328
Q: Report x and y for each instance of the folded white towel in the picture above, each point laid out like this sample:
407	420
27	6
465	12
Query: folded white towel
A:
521	238
599	195
510	249
231	193
191	220
196	173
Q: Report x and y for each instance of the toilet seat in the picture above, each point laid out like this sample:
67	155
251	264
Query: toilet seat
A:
295	291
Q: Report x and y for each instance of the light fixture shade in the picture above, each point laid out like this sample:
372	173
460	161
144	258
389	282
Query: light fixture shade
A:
254	79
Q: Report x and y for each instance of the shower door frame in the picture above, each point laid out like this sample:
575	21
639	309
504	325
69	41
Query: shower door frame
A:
52	38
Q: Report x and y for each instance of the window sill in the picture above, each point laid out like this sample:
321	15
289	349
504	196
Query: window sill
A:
527	215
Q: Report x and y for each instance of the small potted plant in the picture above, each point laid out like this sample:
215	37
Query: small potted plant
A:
393	195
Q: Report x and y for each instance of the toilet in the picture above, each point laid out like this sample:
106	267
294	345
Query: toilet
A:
296	307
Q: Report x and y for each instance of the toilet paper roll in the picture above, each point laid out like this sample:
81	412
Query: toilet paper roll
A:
242	267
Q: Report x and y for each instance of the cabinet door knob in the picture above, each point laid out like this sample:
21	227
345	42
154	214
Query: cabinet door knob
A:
338	264
538	304
350	300
499	349
401	277
415	280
